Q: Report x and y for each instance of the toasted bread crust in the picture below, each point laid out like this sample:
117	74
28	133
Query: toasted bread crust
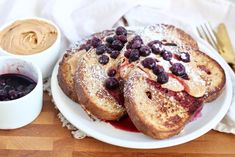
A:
64	77
213	74
215	81
143	126
91	93
89	86
68	66
154	111
173	34
183	36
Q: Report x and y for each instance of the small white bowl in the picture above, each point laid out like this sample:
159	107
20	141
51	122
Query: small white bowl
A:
45	59
22	111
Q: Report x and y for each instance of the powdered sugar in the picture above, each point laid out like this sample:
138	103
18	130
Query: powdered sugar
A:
183	56
160	32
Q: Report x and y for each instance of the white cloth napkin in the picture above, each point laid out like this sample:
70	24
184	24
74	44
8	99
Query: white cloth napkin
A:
79	18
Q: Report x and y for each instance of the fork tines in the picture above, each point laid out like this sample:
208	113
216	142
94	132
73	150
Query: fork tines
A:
206	32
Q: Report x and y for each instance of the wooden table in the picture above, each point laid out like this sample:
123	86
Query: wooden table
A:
46	138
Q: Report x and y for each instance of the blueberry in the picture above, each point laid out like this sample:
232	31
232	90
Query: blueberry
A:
111	83
112	72
100	49
166	55
122	38
127	53
109	40
157	48
87	47
95	42
108	50
178	69
7	88
145	51
185	76
121	31
114	54
29	88
136	44
117	45
162	78
154	42
137	37
128	46
12	94
8	81
185	57
103	59
158	69
20	88
2	82
148	63
21	94
3	94
134	55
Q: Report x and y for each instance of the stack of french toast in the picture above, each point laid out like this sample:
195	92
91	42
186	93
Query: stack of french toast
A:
157	76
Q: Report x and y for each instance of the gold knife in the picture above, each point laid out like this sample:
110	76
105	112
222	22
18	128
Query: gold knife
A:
225	44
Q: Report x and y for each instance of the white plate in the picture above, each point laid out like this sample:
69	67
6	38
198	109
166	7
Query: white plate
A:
212	113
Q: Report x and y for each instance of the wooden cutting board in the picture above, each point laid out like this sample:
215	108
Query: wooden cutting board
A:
45	137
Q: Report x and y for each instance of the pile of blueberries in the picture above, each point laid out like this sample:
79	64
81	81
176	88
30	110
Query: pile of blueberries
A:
112	46
136	48
14	86
112	83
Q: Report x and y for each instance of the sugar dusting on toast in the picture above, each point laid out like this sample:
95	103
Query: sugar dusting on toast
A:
159	32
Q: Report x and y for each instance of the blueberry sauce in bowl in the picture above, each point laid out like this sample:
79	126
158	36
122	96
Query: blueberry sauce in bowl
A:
21	92
14	86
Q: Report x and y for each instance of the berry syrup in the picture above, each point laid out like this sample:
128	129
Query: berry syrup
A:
14	86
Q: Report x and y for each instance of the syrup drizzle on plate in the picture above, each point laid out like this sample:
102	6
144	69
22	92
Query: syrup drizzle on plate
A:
125	124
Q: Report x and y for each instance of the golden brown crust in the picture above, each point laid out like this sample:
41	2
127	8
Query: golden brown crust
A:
89	86
157	114
66	72
213	74
68	66
146	128
140	110
171	34
90	90
215	81
187	38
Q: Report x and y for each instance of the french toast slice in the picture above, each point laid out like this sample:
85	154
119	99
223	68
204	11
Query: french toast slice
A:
66	71
156	111
68	65
89	81
212	73
206	68
97	69
164	89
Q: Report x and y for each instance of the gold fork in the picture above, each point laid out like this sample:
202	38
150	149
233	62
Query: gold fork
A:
206	32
